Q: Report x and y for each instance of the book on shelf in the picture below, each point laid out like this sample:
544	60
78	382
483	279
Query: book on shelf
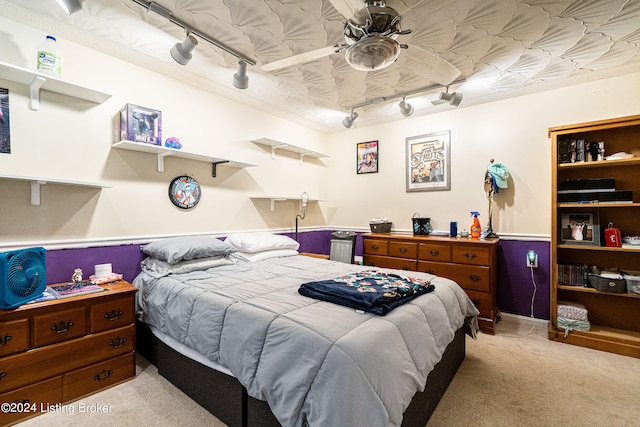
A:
73	289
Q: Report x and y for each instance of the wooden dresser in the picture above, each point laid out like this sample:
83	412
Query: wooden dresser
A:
470	263
57	351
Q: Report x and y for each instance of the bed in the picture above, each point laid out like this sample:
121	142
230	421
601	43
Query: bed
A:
228	327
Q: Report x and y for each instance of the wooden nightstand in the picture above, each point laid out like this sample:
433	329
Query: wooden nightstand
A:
60	350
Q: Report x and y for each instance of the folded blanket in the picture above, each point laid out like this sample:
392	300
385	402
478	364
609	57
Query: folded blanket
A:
371	291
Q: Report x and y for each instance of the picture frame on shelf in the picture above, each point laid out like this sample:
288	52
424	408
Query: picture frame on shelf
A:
367	157
428	162
579	228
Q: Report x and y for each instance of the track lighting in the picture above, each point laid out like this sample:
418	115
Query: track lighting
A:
70	6
453	98
350	119
405	108
240	79
181	52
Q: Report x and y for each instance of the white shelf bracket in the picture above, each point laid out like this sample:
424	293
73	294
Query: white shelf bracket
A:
274	147
34	92
161	157
304	154
35	192
273	203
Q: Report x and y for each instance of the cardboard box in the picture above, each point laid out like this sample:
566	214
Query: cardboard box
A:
141	124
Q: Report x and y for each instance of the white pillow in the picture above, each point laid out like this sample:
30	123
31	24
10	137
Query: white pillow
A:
184	248
258	242
158	268
259	256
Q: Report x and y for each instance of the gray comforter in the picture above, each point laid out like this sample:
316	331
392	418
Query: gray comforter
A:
314	362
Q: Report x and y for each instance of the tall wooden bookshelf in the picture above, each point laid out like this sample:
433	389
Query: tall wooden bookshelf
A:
614	317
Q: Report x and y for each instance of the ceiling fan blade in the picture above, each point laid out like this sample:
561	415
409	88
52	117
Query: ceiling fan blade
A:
301	58
347	8
436	68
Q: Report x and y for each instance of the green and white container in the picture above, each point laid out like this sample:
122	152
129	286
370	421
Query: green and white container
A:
49	57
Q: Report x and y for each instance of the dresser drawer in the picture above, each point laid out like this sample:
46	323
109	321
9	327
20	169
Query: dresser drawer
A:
467	276
59	326
434	252
375	246
28	401
98	376
403	249
14	336
482	301
389	262
112	314
471	254
35	365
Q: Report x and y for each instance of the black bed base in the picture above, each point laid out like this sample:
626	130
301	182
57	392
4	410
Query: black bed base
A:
224	396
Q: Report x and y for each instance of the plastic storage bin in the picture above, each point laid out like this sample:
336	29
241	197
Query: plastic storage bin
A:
608	284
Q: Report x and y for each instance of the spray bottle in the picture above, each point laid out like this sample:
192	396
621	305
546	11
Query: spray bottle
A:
476	228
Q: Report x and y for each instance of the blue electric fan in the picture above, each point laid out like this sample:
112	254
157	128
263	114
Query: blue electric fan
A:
23	276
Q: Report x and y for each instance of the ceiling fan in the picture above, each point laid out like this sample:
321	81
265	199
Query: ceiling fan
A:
371	32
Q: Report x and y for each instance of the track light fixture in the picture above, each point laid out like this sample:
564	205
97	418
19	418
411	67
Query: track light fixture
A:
70	6
240	79
405	108
181	52
453	98
350	119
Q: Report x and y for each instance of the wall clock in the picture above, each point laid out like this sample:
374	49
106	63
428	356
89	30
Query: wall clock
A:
184	192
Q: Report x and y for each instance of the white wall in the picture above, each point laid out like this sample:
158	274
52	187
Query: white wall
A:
512	131
71	139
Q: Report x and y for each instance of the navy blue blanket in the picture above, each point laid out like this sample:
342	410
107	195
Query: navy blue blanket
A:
371	291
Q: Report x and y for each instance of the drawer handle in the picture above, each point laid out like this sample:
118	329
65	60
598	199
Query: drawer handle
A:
434	252
430	271
2	375
104	375
375	247
475	277
118	342
470	255
62	326
5	339
113	315
476	302
405	268
403	250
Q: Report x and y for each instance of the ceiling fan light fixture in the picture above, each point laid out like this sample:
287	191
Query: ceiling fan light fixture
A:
405	108
181	52
372	53
349	121
70	6
240	79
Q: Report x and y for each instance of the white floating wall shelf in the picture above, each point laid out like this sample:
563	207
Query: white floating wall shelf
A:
162	152
274	199
37	182
288	147
39	81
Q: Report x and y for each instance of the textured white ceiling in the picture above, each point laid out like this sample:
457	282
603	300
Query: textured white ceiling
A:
501	47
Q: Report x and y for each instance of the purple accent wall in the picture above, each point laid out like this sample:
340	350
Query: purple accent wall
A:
515	287
515	284
124	260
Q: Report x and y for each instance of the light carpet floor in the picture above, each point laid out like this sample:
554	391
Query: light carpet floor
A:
514	378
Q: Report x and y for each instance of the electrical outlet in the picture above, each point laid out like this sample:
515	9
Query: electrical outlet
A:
532	259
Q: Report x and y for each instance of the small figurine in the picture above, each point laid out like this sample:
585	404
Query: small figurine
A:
77	277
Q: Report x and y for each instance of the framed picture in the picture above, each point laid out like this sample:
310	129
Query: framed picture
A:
367	157
429	162
579	228
5	128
